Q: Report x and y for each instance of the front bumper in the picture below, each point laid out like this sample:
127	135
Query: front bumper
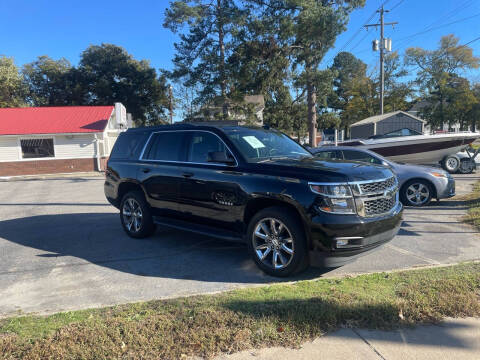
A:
446	188
358	236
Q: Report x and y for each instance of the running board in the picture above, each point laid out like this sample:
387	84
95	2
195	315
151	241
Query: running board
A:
198	229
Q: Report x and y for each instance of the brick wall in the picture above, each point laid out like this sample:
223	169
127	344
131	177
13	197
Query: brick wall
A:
53	166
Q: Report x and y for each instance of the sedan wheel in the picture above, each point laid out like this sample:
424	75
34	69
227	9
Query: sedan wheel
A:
273	243
417	193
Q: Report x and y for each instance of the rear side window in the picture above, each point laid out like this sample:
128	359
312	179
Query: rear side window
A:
128	145
165	146
360	156
329	155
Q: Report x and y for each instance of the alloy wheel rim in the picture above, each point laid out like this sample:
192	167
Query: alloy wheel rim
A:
273	243
132	215
418	193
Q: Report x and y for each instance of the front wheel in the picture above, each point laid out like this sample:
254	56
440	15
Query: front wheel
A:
416	193
276	242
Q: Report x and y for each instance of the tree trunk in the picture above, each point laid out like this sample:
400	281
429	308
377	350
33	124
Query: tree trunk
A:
312	114
221	44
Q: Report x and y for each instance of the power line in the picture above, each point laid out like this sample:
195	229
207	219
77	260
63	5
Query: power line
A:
397	5
402	44
357	32
438	27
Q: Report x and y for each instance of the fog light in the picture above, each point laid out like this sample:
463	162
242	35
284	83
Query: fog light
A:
342	242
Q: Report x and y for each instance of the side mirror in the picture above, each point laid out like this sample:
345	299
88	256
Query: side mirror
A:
220	157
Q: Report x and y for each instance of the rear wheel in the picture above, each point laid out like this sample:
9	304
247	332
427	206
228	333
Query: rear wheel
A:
276	242
136	216
416	193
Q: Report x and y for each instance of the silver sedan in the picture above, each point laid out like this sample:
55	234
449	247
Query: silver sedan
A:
418	184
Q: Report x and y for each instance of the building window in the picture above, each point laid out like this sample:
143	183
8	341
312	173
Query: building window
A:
37	148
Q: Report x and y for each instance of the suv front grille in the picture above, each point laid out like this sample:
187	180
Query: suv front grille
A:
379	206
378	186
376	198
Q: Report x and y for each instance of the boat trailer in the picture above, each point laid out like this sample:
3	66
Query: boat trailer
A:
461	164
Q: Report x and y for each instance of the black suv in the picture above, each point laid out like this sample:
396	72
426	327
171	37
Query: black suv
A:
252	185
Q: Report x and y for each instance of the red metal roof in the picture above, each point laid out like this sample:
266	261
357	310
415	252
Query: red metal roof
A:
52	120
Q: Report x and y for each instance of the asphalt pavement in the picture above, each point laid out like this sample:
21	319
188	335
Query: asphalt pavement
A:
62	248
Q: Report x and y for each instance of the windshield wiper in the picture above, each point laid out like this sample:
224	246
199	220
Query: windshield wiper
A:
274	158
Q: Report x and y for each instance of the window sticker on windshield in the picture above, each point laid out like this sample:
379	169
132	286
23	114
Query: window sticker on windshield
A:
253	142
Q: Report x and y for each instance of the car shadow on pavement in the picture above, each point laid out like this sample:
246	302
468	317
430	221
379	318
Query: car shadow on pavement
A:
99	239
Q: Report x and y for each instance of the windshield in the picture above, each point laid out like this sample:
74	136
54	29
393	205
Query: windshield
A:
257	145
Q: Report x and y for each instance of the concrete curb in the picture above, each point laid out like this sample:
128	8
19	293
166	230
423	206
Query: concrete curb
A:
51	176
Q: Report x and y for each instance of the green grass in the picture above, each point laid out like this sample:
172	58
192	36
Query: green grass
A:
472	200
282	314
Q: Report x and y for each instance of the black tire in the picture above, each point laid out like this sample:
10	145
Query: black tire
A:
451	163
135	200
292	229
406	195
467	166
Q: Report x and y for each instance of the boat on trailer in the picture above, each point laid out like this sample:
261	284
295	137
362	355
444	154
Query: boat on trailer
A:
423	149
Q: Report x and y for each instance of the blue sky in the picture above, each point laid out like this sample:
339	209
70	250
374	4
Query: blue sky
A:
65	28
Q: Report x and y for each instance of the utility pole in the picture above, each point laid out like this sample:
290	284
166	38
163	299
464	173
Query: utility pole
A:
385	45
170	105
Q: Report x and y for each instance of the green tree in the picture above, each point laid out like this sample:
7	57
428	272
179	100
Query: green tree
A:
109	74
309	28
52	82
397	91
258	65
363	100
436	69
206	28
346	68
12	90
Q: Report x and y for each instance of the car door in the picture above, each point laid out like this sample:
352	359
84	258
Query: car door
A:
209	192
160	172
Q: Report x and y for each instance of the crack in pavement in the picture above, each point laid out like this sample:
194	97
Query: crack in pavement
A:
406	252
370	345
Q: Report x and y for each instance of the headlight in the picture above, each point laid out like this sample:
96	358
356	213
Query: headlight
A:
335	198
440	174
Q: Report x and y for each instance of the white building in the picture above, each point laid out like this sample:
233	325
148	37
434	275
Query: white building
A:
64	139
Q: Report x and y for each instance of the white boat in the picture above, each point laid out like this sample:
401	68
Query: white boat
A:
417	149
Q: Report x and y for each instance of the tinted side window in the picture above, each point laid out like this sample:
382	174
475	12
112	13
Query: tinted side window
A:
201	143
165	146
329	155
128	146
360	156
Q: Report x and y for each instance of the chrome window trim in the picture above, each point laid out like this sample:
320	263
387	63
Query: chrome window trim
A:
186	162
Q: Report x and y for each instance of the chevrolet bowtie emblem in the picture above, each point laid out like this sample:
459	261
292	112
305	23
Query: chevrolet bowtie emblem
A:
388	193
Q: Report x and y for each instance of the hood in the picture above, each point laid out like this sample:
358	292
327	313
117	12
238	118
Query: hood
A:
312	169
414	169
